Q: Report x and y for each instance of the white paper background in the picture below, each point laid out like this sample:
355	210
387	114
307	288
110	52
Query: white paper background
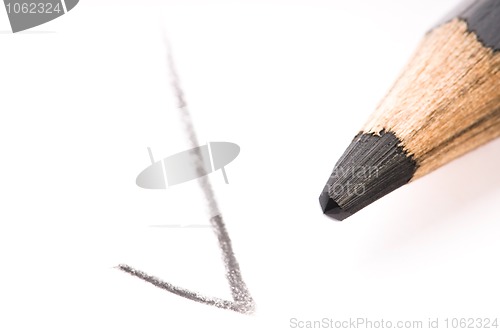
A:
291	82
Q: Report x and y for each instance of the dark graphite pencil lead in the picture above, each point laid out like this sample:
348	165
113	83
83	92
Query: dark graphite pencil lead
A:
371	167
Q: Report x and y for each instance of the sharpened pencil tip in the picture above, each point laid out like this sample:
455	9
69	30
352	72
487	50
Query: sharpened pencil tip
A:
331	208
373	165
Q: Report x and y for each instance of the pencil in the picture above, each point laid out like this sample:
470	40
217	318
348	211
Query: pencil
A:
445	103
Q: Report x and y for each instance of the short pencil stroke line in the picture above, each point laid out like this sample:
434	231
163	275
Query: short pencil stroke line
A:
242	300
183	292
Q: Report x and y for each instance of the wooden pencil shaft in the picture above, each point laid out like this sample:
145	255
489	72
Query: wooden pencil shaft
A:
447	100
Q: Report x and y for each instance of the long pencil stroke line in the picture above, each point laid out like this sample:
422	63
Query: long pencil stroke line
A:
242	300
238	287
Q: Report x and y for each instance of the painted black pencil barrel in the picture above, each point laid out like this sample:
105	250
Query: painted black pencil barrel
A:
376	163
482	17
